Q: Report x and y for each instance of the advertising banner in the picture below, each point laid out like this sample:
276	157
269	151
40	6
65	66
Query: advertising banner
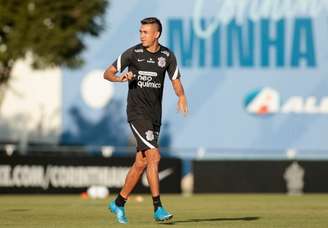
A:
74	174
292	177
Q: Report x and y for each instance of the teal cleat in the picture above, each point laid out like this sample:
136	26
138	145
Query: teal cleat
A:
162	215
119	212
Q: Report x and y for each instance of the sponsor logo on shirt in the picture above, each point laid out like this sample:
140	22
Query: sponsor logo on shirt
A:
145	79
138	50
147	73
140	60
150	60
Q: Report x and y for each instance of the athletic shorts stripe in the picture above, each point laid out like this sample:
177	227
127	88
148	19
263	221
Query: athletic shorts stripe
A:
143	140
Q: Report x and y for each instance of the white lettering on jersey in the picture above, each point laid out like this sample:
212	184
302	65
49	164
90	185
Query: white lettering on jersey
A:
145	79
148	73
146	84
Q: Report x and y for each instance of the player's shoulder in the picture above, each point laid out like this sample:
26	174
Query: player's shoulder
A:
135	49
166	51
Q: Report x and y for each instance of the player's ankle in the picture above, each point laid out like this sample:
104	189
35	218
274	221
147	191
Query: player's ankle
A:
156	202
120	200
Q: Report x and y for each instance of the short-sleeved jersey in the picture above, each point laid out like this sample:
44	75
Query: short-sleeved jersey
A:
146	90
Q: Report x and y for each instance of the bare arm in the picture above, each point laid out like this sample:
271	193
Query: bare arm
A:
182	105
110	75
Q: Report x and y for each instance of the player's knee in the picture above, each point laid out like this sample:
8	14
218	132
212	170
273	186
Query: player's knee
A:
153	159
153	162
140	165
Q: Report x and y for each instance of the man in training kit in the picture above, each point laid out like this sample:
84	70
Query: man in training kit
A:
147	64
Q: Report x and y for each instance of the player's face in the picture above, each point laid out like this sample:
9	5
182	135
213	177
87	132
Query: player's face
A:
148	34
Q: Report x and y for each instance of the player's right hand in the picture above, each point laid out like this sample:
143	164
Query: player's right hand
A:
126	77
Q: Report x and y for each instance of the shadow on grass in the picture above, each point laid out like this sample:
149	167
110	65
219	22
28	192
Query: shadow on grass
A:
210	220
18	210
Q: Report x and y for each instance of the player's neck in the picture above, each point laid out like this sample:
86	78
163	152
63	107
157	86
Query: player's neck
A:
153	48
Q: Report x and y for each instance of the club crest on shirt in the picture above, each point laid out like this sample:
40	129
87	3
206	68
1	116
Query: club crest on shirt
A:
149	135
161	62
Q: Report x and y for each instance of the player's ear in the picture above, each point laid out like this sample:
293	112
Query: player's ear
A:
157	35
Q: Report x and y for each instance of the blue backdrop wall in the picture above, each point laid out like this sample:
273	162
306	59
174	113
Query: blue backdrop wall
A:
255	74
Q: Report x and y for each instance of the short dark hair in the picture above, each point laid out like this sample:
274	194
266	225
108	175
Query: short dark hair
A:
153	20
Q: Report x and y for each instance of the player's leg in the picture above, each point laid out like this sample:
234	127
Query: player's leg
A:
153	158
134	174
131	180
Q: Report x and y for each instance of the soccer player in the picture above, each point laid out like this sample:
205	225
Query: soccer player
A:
147	64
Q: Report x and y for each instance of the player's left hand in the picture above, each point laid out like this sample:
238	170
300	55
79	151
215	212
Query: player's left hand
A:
182	105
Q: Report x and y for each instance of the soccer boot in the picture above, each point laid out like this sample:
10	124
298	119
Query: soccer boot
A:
161	214
119	212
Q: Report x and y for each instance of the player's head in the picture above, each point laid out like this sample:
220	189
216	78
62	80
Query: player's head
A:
150	31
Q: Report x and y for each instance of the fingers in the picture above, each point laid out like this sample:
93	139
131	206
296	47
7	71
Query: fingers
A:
123	78
130	75
182	108
127	76
185	109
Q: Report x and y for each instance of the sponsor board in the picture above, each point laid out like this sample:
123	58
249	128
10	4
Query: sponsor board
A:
75	174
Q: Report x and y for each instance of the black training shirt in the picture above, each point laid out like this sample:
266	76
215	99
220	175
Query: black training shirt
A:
146	90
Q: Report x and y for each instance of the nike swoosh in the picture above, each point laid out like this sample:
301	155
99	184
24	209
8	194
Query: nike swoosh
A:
140	60
161	175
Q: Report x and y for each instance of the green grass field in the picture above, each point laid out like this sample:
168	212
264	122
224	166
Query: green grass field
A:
219	210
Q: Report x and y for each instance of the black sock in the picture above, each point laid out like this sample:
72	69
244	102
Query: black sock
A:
157	202
120	200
